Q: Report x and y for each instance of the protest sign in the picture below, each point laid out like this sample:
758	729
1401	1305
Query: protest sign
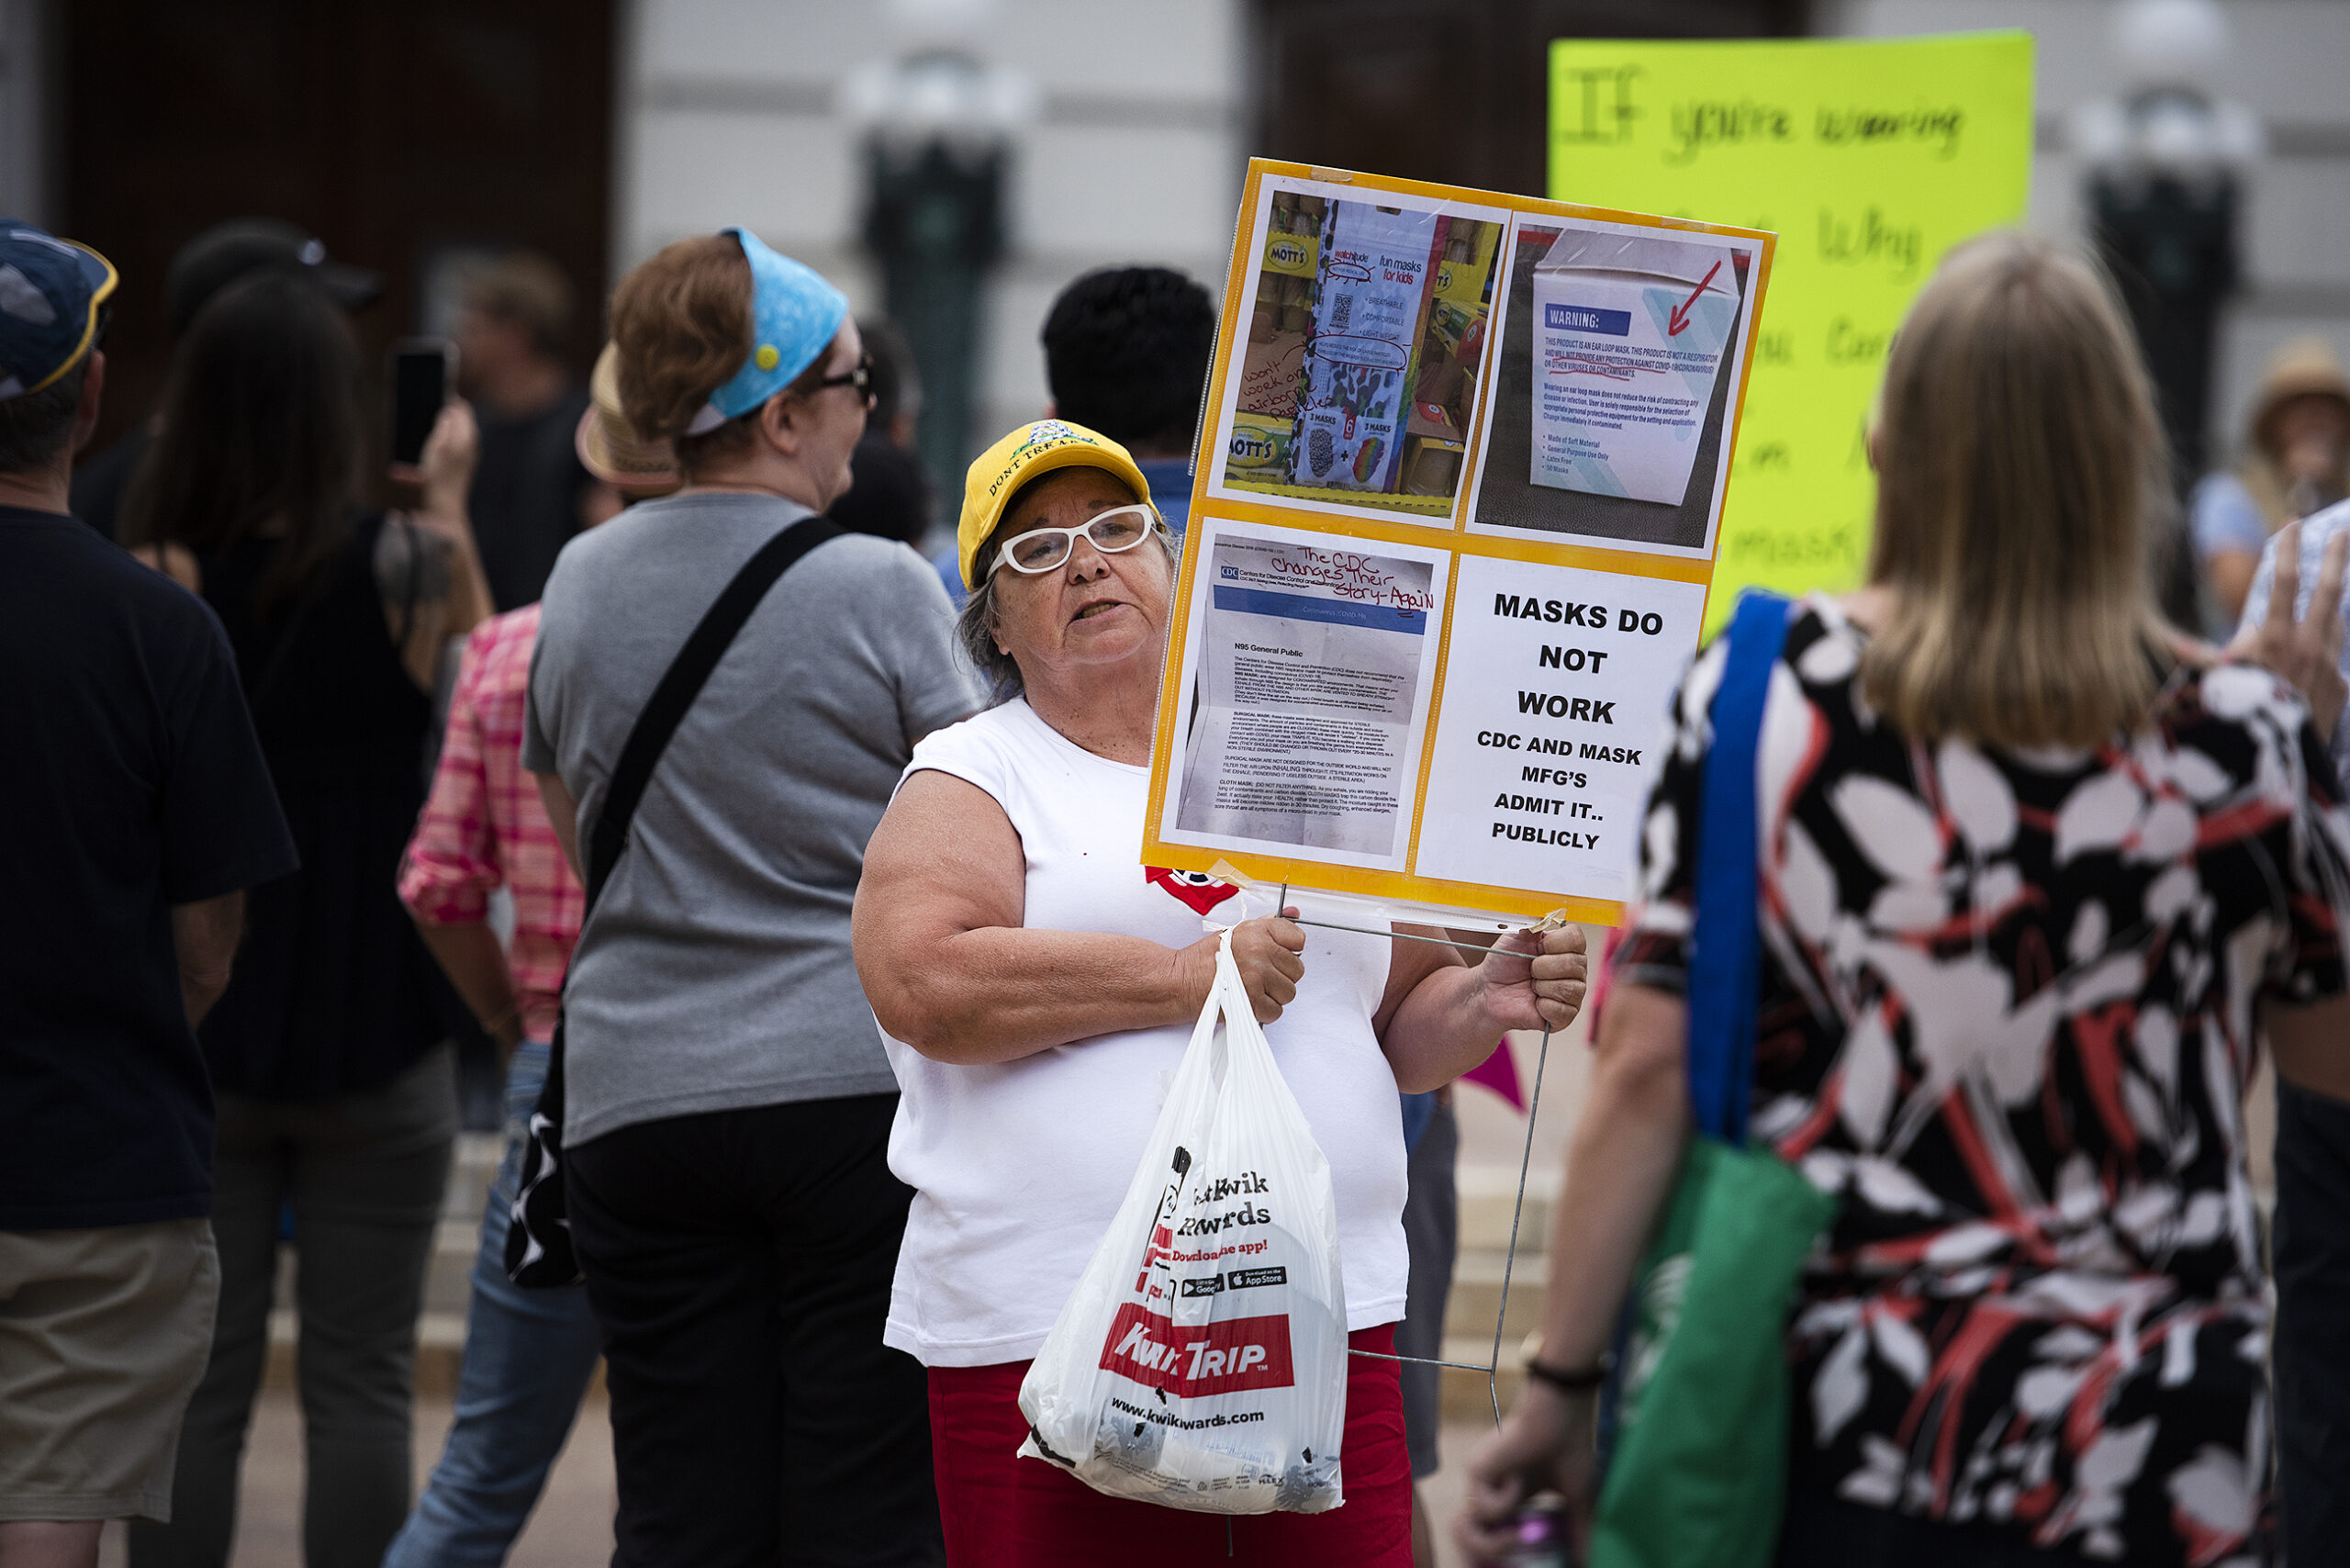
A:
1871	157
1456	509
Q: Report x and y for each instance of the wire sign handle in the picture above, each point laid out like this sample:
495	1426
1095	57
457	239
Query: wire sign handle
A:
1493	1368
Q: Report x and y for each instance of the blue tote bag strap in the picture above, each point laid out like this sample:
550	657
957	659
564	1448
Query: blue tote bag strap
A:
1726	947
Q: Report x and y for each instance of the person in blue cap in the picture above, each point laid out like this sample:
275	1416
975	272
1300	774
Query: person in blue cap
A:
140	809
728	1104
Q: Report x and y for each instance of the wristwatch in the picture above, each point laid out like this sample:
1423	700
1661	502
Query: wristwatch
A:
1568	1380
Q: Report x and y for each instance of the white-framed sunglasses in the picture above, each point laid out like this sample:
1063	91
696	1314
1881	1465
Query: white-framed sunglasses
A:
1042	550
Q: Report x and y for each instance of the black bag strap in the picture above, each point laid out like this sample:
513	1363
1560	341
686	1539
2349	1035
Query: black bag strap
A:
682	682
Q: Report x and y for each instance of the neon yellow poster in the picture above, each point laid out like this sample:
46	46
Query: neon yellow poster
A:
1869	159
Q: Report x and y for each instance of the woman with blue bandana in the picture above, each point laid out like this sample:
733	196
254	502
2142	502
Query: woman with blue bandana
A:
728	1104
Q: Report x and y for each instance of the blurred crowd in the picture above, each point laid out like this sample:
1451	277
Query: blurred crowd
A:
608	773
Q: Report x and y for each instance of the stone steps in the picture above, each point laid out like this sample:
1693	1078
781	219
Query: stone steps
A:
1488	1196
1463	1394
1477	1295
1488	1193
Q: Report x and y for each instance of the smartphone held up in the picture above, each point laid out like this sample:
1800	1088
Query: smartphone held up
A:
423	373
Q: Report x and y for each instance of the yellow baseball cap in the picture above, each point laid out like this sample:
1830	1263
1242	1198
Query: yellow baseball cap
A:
1026	453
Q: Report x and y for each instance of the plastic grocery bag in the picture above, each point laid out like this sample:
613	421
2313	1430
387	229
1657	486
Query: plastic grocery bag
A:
1202	1360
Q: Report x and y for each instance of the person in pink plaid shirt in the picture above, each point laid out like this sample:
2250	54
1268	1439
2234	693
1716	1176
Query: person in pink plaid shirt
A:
528	1353
484	827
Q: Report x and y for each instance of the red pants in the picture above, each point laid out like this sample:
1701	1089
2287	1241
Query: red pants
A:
1001	1511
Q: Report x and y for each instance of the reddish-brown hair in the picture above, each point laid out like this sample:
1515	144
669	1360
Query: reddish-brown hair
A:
681	323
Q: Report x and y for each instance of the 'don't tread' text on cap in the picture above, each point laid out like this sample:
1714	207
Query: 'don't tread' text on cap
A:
1033	449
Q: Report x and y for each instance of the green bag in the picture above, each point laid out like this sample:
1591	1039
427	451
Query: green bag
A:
1697	1478
1699	1471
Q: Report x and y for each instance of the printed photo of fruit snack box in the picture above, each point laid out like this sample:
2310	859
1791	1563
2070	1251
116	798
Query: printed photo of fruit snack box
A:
1356	307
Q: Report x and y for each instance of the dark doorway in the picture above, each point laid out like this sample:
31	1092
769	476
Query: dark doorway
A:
1453	90
398	131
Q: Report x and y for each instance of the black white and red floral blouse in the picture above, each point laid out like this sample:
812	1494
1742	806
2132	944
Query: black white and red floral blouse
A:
2008	1016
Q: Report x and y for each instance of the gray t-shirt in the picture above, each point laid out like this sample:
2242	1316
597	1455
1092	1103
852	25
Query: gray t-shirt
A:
714	973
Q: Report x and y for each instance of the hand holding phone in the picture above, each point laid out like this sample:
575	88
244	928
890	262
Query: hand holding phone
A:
444	476
422	372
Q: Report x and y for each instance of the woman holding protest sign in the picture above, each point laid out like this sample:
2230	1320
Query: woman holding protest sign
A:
2020	916
1039	987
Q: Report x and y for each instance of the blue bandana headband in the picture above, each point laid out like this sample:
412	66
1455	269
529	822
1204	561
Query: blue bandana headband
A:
794	316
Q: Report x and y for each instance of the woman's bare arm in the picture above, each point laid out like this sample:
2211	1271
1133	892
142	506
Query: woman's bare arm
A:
416	579
427	571
469	953
1620	1166
950	969
1442	1017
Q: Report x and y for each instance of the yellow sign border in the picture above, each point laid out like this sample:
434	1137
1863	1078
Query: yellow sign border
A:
1405	888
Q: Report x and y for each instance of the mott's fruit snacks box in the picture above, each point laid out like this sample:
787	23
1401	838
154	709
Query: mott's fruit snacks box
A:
1260	446
1462	280
1629	335
1292	254
1279	317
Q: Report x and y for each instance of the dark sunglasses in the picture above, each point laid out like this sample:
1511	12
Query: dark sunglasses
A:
860	377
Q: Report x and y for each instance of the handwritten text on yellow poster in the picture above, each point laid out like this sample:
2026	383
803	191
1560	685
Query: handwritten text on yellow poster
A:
1871	158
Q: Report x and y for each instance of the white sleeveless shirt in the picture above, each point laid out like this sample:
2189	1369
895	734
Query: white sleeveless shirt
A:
1017	1167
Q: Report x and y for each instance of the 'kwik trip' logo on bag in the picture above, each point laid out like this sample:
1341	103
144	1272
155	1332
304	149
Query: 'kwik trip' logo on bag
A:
1215	1358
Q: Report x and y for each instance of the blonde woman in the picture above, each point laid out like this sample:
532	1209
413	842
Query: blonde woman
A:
2034	880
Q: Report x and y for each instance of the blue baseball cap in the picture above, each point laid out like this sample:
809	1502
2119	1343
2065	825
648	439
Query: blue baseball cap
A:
50	291
794	315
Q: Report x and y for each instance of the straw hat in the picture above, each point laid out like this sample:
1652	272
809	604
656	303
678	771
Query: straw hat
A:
2303	368
611	448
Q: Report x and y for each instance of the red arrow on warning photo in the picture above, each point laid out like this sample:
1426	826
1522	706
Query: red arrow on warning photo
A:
1679	322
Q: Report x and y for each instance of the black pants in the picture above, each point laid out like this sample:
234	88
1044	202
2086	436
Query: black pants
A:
739	1263
2312	1253
1829	1532
365	1175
